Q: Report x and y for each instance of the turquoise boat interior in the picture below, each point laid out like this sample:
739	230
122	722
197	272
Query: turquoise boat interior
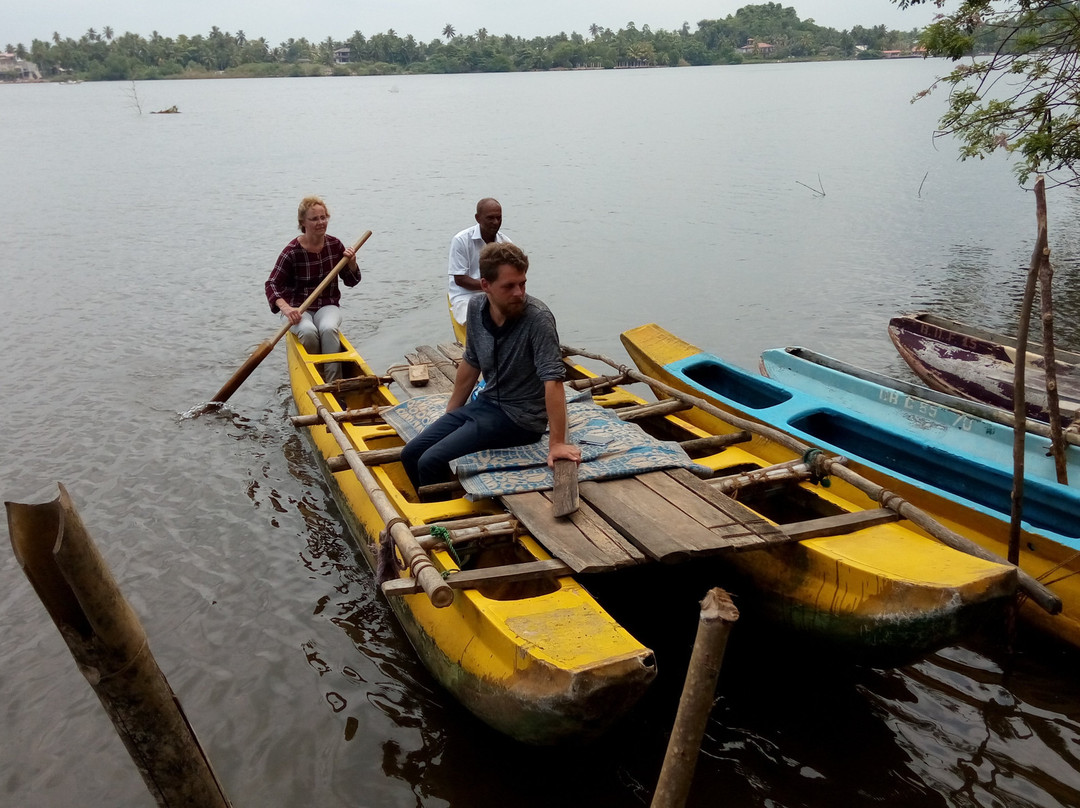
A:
1048	508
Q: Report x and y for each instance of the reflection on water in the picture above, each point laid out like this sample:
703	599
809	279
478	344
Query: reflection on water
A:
219	527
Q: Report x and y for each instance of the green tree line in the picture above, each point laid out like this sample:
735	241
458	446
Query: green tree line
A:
105	56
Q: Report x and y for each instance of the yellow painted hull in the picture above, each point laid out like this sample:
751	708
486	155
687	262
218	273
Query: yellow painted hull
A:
543	669
878	587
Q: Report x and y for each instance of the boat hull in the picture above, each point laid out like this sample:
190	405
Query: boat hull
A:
972	508
980	365
937	419
547	669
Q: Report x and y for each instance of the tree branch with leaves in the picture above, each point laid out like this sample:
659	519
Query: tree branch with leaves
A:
1016	86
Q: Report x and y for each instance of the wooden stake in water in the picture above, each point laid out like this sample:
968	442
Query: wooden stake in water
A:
110	648
718	615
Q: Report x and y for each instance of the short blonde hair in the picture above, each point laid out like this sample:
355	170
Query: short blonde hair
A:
306	204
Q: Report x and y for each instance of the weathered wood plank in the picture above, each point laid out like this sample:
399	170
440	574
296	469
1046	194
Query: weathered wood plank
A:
839	524
605	537
767	532
646	519
441	364
561	537
418	375
470	579
702	511
452	351
564	500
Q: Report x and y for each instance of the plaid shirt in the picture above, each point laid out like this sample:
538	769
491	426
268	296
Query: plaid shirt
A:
297	273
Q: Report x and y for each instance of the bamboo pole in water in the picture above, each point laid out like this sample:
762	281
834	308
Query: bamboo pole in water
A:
718	616
1038	593
109	645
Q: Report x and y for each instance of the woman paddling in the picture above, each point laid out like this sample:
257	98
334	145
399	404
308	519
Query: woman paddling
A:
304	262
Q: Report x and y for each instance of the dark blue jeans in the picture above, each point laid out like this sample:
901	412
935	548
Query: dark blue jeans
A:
478	425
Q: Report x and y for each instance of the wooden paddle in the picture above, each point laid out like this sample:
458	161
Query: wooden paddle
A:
260	353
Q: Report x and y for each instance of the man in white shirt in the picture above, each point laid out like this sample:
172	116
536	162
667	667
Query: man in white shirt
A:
464	265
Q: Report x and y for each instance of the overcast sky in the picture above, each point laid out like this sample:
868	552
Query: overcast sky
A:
277	20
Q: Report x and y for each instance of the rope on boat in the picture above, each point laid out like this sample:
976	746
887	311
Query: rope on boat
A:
1058	566
818	462
389	565
442	534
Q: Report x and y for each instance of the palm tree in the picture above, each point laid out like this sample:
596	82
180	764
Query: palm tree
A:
594	29
482	34
449	32
241	38
108	31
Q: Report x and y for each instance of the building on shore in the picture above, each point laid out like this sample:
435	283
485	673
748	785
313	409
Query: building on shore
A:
12	68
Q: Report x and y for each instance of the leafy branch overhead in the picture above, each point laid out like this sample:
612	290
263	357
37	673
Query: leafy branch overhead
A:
1017	82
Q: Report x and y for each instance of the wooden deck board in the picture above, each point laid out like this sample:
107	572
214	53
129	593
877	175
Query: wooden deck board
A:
765	532
646	519
581	543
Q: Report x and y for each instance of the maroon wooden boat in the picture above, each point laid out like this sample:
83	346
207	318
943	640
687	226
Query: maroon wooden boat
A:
977	364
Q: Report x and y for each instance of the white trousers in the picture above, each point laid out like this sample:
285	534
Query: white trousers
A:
321	333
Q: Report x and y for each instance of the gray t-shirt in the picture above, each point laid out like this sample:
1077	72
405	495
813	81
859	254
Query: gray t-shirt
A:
515	359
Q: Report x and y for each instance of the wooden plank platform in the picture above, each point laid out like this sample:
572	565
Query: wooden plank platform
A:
668	516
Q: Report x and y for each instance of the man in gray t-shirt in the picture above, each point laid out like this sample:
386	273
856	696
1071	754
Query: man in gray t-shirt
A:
512	340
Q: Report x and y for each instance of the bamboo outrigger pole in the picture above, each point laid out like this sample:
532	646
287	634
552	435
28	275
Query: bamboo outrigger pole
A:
412	553
1031	587
264	349
110	648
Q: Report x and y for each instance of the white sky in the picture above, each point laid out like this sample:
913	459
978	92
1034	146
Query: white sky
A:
22	21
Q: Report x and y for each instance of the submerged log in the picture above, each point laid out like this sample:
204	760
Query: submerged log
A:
110	648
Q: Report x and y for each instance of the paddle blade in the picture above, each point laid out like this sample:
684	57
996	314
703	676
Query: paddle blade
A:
238	378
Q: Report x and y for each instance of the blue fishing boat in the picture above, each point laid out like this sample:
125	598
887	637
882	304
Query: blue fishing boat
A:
966	428
970	496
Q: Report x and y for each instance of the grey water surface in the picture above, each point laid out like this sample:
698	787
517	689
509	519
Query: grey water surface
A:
132	255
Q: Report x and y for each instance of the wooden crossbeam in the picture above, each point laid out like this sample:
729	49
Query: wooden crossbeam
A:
839	524
341	416
370	457
351	384
471	579
640	411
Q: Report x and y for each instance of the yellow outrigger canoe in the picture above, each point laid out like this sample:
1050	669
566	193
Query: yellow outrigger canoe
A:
513	633
1048	560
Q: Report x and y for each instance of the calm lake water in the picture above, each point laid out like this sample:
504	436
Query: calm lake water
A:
133	255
